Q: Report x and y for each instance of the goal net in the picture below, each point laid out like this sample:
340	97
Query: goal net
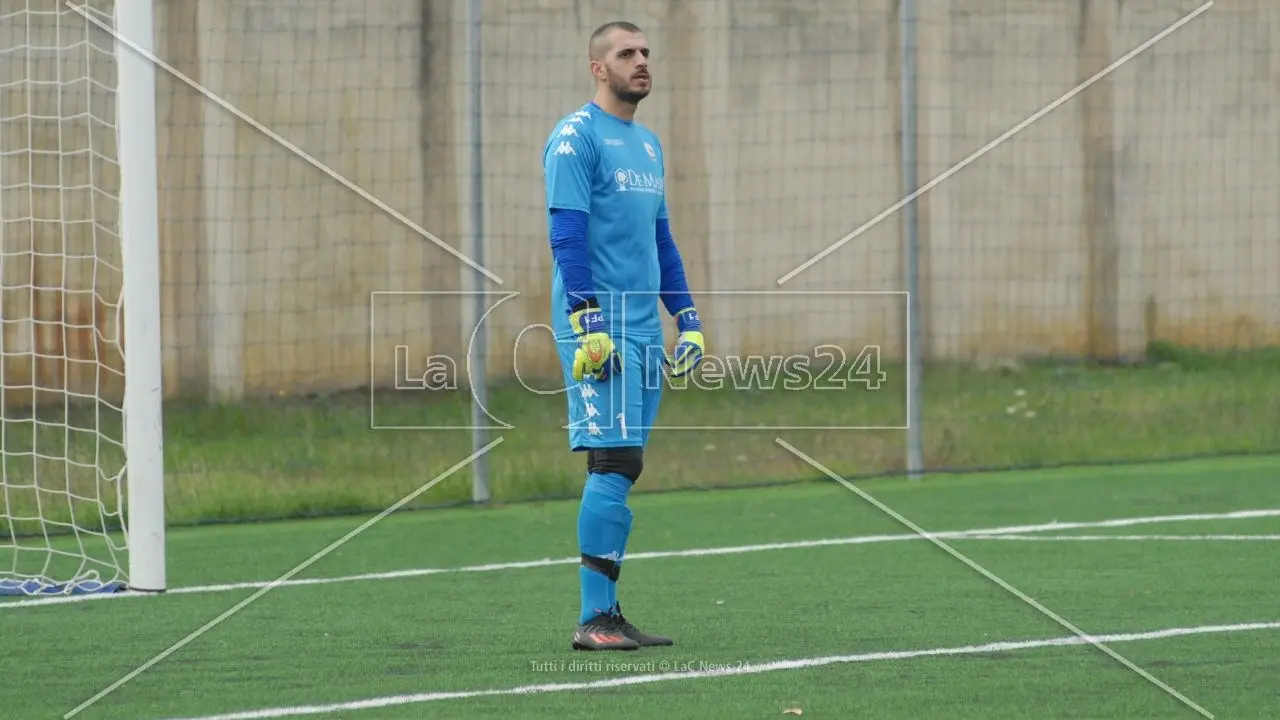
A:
62	436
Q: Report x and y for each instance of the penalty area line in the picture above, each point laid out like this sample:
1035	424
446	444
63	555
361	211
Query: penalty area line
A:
730	670
981	534
1125	538
981	570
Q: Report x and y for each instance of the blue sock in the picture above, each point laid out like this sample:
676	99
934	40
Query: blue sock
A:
603	523
613	584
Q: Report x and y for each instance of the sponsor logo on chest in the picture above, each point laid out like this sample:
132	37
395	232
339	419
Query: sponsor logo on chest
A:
632	180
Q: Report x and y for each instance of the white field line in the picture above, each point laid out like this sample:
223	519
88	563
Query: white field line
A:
983	534
1004	585
282	579
1125	538
714	670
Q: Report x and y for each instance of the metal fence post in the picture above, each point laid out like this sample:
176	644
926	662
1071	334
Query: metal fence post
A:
479	350
907	65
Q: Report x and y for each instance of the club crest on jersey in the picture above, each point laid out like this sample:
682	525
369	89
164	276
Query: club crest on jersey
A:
653	155
636	181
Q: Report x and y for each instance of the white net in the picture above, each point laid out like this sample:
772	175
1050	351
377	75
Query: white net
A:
61	375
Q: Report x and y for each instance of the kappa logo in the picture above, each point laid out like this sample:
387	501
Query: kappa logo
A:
568	130
565	149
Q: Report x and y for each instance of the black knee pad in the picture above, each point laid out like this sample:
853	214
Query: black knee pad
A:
625	461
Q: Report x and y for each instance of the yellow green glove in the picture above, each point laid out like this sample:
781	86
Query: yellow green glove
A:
690	344
596	356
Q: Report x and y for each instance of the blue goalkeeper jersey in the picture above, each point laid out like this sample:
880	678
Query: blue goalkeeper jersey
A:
612	170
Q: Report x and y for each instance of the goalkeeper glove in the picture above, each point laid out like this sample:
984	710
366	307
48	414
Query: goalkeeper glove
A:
689	344
595	357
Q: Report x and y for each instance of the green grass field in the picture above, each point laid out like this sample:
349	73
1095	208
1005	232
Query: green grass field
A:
801	597
298	457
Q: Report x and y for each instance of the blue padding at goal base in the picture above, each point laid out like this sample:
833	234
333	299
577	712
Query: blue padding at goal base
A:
28	588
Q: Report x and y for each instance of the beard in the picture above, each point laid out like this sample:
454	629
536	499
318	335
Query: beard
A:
624	93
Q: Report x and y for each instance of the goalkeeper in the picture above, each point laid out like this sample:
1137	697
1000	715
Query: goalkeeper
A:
613	257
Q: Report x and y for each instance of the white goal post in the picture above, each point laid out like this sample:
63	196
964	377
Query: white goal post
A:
81	435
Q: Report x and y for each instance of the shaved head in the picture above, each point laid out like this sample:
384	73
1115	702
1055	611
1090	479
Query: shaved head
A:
601	42
619	60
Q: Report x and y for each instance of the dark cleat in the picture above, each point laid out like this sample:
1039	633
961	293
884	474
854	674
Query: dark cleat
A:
641	638
602	632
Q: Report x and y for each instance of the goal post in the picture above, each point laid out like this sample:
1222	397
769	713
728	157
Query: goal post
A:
140	229
81	436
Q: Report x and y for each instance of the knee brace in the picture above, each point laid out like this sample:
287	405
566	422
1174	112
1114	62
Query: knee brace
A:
625	461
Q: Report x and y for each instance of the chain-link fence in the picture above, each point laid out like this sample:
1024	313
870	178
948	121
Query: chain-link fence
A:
1090	273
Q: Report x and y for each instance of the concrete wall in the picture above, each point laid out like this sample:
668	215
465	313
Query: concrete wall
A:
1145	205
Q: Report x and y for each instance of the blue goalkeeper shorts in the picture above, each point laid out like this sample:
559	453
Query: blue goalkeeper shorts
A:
620	411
